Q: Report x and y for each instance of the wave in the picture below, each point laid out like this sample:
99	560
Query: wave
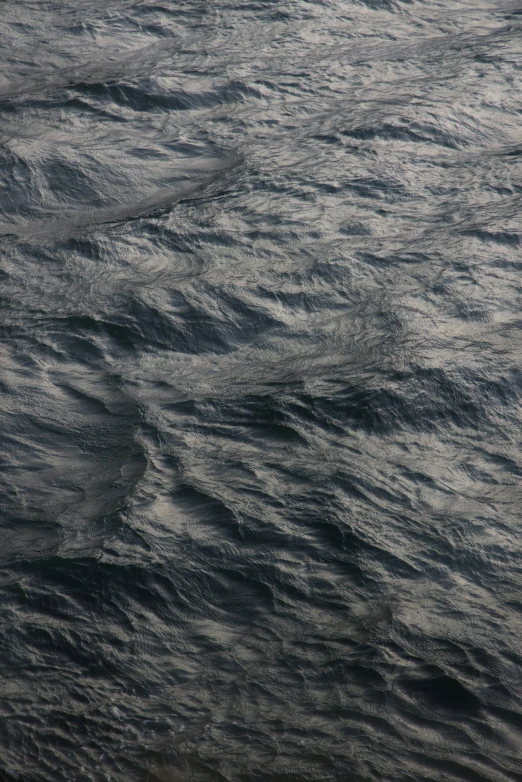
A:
73	223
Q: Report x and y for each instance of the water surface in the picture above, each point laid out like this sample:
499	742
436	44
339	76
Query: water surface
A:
261	373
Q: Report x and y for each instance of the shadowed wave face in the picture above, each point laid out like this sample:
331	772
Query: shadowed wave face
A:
261	381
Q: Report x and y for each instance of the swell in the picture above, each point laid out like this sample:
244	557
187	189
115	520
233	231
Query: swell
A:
117	66
72	460
73	224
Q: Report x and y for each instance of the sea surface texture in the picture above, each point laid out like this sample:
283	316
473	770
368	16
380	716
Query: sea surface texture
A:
261	384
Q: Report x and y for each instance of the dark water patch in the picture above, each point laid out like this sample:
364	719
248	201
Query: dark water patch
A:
510	239
438	691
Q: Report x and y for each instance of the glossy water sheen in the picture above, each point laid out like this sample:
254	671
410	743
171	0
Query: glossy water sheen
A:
261	380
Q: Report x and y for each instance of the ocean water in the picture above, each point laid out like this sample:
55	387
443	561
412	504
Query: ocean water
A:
261	373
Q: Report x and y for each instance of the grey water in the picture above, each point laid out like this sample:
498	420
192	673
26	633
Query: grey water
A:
261	382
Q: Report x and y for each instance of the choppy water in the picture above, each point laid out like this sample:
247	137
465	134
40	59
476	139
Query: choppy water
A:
261	381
